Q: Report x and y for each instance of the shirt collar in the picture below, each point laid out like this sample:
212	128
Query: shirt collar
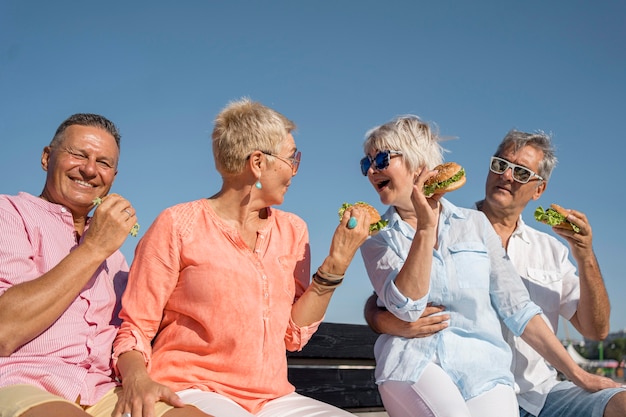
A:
521	229
450	210
44	204
55	208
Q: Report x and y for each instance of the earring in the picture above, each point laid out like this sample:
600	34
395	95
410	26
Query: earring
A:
258	184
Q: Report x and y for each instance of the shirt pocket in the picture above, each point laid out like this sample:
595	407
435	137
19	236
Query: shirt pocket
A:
472	264
544	287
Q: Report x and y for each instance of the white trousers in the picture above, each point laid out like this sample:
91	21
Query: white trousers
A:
435	395
292	405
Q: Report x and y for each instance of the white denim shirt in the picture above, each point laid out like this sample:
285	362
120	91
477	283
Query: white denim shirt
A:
543	263
473	278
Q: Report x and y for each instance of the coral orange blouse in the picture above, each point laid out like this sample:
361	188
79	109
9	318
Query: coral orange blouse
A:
209	313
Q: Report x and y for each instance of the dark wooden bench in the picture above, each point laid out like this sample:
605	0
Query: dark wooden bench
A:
337	367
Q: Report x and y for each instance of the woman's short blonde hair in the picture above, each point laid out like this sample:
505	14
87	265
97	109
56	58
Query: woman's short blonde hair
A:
416	139
245	126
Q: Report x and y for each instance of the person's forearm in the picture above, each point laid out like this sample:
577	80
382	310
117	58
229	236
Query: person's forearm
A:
312	305
594	309
381	320
29	308
539	336
387	323
371	312
413	280
131	364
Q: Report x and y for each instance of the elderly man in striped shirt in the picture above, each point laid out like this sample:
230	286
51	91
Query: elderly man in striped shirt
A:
61	279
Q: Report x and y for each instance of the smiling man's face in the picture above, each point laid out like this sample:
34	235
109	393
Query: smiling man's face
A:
81	168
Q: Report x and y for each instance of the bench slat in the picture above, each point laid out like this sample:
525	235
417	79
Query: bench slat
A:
342	388
334	340
337	367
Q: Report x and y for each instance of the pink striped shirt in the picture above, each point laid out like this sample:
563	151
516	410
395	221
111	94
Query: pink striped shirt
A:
73	356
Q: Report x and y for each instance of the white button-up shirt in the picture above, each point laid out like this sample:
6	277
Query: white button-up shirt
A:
543	263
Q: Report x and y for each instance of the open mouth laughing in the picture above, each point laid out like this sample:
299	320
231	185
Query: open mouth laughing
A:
382	184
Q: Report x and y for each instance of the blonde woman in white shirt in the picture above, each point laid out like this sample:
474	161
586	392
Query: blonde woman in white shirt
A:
518	174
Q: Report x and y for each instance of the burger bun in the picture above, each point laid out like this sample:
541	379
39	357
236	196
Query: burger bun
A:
374	214
441	183
451	187
563	212
376	222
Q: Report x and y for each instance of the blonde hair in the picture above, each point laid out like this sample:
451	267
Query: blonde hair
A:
245	126
416	139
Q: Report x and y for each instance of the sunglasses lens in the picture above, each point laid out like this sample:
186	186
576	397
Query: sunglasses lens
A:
521	174
365	165
296	162
498	165
382	160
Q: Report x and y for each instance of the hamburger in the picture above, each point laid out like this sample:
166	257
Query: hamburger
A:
376	222
451	176
555	216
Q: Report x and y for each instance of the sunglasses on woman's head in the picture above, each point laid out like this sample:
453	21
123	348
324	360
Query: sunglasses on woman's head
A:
380	161
520	174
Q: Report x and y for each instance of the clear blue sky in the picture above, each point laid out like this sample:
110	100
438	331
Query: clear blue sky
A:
162	72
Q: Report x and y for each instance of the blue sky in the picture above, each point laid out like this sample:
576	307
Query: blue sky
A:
162	72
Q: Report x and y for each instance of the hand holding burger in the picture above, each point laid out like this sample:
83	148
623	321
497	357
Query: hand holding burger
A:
555	216
376	223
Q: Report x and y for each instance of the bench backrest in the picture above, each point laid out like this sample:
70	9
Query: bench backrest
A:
337	366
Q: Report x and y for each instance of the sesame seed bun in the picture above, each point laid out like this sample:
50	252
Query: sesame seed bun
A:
376	222
450	177
374	214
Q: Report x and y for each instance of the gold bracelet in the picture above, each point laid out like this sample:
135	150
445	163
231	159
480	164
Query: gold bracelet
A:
328	275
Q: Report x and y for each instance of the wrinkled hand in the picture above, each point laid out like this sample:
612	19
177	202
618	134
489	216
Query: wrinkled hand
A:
141	394
593	383
581	242
346	241
426	209
433	319
431	322
111	224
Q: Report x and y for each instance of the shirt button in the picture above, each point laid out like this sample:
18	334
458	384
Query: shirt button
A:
266	295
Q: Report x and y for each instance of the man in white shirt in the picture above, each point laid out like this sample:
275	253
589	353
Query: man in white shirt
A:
519	172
